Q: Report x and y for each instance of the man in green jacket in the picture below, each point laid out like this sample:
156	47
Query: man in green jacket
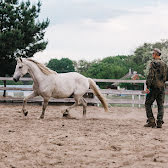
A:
155	89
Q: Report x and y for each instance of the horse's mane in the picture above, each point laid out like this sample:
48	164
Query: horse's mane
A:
43	68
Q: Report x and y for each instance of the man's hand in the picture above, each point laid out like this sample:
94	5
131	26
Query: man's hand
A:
147	91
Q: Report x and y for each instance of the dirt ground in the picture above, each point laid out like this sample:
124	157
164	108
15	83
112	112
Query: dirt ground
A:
103	140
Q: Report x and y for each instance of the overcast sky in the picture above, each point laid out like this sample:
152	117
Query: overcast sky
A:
94	29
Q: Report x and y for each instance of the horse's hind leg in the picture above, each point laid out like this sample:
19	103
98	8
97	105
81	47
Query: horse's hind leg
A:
66	112
45	103
84	104
25	112
78	100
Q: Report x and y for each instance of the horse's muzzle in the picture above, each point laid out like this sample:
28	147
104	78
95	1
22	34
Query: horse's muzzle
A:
16	80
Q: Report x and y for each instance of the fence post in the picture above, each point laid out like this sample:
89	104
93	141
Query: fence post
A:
4	93
133	98
144	86
139	101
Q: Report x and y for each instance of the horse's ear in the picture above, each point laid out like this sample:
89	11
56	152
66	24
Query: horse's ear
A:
19	60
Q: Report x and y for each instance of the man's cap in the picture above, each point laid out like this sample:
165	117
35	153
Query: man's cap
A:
157	50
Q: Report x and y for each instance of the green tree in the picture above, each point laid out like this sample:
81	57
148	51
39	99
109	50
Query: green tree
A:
109	68
21	34
61	66
106	71
82	66
164	55
142	55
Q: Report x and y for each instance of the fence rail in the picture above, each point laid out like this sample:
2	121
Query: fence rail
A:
137	96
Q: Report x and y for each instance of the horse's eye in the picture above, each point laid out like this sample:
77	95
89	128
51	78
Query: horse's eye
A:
20	67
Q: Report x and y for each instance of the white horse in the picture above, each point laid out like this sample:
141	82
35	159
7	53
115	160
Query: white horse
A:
48	83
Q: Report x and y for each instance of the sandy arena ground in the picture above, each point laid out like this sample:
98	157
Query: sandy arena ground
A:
104	140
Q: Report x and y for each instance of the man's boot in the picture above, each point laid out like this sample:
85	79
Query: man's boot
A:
159	124
150	123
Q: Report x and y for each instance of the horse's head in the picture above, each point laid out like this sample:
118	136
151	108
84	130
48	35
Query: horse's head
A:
20	70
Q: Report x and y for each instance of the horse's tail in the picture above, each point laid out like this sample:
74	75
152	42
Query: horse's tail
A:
96	91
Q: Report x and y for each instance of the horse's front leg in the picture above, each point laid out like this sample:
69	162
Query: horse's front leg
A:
45	103
25	112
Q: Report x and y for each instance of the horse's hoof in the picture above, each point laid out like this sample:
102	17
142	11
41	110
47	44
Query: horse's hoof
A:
41	117
65	114
25	113
68	116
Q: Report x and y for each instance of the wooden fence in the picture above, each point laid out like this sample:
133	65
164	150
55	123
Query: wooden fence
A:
134	97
